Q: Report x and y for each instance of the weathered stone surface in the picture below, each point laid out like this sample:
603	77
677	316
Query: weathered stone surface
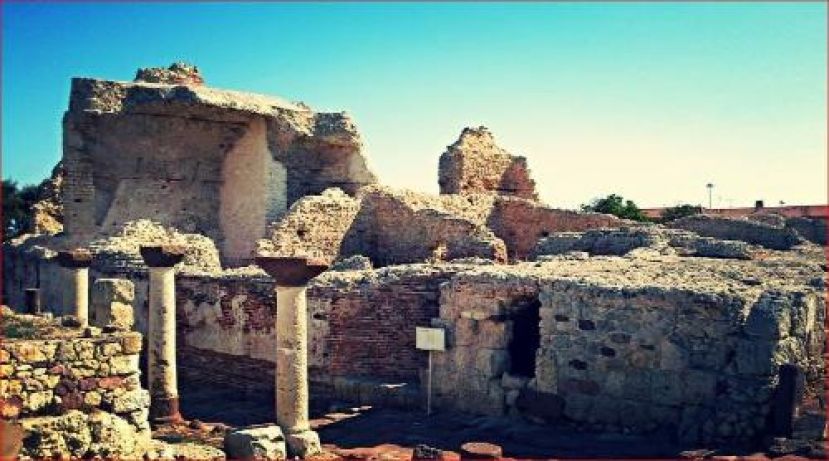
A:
257	442
178	73
111	303
47	213
303	444
352	263
633	240
749	231
78	434
120	250
219	163
475	164
811	229
480	450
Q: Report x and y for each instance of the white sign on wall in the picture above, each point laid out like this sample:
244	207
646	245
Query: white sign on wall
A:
430	339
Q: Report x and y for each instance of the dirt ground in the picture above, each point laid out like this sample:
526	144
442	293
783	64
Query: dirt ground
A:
387	434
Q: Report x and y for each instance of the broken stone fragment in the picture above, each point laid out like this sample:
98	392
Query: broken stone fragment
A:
257	442
480	450
179	73
162	255
77	258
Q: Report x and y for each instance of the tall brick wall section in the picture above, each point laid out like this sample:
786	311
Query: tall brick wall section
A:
474	164
521	223
370	327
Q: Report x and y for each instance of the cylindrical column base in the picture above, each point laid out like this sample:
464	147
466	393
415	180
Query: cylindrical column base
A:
165	410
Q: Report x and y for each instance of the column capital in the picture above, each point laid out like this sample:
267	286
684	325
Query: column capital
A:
292	271
162	255
76	259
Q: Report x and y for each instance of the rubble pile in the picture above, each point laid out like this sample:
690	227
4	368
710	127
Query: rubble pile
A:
178	73
121	250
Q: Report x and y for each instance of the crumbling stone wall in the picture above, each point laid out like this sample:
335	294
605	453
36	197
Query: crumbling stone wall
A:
178	73
475	164
811	229
317	225
749	231
387	226
627	239
219	163
629	344
405	229
47	213
60	390
520	223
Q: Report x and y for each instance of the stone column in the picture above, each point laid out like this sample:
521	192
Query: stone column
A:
292	275
78	262
161	335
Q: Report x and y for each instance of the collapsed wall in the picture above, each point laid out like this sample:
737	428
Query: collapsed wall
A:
399	227
388	226
220	163
474	164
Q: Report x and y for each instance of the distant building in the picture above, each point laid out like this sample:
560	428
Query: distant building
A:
789	211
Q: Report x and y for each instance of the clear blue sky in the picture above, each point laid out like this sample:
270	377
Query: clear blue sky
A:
649	100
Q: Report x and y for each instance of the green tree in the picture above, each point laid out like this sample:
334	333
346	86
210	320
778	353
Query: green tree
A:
680	211
17	208
617	206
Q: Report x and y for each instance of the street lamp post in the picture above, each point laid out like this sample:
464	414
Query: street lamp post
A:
710	187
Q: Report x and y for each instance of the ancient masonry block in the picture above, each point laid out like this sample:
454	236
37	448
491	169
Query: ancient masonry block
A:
475	164
112	303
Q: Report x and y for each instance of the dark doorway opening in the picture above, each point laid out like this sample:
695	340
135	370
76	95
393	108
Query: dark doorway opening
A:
526	337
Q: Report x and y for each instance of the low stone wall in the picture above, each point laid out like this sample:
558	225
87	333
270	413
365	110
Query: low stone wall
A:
756	233
812	229
59	388
703	363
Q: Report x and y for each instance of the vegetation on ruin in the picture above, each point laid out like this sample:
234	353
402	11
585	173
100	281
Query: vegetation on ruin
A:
17	208
680	211
616	205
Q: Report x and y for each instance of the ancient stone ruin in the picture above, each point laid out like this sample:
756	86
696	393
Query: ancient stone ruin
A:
193	226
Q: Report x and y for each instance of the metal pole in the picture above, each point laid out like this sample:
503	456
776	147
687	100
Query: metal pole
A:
429	388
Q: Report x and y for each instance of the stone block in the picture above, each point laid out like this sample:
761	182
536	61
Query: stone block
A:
131	343
111	303
256	442
770	317
492	362
546	406
303	444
